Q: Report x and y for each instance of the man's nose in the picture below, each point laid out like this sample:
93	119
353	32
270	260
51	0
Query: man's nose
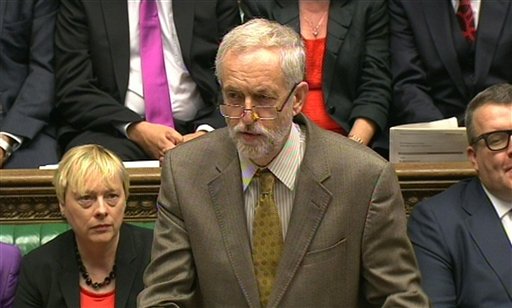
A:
249	115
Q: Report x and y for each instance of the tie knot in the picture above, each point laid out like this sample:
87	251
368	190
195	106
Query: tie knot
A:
465	2
266	180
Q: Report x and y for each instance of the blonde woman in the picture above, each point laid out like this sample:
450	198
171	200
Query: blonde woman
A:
100	261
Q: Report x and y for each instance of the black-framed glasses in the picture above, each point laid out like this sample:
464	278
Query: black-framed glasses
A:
495	141
232	111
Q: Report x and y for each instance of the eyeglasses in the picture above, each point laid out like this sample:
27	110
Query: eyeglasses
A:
232	111
495	141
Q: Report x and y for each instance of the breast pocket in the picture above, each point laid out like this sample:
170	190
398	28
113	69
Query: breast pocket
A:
325	254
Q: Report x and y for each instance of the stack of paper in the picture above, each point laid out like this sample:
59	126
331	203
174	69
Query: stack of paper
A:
438	141
127	164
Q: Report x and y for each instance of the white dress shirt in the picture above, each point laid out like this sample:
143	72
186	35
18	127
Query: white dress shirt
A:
504	211
185	97
285	168
475	6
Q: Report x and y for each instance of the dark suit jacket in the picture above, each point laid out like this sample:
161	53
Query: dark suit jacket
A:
428	81
93	54
356	80
26	77
340	250
464	254
49	274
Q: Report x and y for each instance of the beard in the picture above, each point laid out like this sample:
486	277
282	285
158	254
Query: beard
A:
266	145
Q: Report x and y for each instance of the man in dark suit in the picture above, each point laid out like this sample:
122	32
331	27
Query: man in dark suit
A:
99	76
283	213
27	134
463	236
436	69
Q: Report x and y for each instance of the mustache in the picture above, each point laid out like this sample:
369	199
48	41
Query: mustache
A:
251	129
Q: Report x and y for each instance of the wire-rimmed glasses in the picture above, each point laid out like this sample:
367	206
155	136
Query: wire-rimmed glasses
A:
232	111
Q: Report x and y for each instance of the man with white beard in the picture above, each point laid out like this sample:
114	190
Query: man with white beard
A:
273	211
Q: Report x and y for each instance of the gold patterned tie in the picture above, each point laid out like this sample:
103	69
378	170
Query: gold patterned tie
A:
267	237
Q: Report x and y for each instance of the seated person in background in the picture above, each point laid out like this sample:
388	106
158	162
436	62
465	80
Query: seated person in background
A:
444	52
347	60
333	236
27	134
137	76
463	236
10	259
100	261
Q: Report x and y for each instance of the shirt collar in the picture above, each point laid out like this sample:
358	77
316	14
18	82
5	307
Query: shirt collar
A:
284	166
502	207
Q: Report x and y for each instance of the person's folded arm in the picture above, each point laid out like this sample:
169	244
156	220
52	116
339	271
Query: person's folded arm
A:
373	91
82	98
35	99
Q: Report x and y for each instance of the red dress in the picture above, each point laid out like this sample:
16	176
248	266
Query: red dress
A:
314	108
92	300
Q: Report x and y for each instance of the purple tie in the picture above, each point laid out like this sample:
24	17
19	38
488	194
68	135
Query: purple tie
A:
156	89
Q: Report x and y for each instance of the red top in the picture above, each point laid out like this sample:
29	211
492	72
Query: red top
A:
314	108
93	300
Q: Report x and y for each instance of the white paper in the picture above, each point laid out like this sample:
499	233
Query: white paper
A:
437	141
127	164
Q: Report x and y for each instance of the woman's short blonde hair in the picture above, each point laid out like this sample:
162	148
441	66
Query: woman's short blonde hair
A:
82	163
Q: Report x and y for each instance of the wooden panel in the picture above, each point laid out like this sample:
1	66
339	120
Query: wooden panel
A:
28	195
423	180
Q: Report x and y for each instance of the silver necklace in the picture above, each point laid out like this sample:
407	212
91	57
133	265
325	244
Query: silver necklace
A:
315	30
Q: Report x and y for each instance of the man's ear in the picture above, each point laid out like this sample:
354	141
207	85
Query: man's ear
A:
471	153
301	92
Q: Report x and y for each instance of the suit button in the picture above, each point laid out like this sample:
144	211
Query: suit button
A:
331	109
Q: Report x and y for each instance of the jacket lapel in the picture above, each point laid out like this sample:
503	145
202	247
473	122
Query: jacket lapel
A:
115	15
438	21
340	19
125	257
226	193
69	280
311	201
490	25
183	14
287	13
487	231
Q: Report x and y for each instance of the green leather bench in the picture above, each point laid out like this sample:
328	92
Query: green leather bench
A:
30	236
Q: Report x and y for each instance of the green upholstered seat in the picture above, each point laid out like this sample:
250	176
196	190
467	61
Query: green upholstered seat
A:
30	236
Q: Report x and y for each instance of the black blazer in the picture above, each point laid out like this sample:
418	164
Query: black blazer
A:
93	58
49	274
464	254
356	80
27	78
428	81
